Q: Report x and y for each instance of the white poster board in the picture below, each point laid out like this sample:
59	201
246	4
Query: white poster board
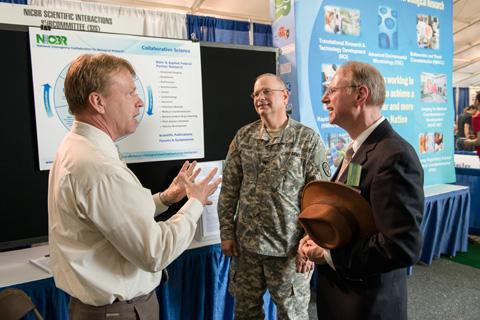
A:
168	81
208	227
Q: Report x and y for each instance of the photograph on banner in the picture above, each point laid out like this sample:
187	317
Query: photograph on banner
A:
403	41
340	20
428	31
387	27
328	71
433	87
337	144
168	81
430	142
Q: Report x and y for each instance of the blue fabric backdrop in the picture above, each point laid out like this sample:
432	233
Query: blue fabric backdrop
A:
217	30
198	286
463	99
455	102
15	1
262	35
471	178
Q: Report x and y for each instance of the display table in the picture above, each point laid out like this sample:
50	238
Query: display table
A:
197	288
16	271
445	221
198	283
471	178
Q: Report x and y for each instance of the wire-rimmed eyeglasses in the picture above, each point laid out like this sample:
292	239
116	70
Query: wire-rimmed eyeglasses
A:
331	90
264	91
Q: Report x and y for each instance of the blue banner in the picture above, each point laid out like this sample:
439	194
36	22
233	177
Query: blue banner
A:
410	42
283	31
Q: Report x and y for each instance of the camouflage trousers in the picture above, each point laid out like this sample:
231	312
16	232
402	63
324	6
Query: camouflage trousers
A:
251	274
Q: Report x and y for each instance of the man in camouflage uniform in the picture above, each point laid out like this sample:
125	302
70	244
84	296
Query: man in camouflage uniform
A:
268	164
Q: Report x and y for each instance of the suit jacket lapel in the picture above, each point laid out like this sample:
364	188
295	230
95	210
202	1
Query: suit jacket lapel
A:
334	177
361	156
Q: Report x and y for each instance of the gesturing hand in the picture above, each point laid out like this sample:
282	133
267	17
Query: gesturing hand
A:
176	190
202	189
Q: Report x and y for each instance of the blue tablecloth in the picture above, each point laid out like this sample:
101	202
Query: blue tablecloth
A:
197	289
51	302
445	221
471	178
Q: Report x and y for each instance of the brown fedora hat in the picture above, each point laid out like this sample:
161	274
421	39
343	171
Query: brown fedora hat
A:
333	214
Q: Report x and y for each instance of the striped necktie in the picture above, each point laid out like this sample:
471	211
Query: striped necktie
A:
346	160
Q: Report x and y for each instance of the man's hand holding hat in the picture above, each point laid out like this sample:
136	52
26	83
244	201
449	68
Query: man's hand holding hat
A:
303	263
334	214
311	250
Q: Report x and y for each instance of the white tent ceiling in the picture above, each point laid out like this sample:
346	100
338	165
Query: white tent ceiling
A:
466	25
466	38
255	10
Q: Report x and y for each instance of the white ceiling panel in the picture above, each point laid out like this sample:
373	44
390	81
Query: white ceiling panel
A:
466	30
471	80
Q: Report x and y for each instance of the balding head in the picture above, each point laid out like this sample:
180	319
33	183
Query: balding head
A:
361	73
277	78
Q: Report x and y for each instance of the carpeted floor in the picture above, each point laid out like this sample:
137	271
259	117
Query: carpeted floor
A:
445	290
472	256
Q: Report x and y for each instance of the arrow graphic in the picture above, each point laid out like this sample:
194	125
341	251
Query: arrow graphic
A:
46	99
150	101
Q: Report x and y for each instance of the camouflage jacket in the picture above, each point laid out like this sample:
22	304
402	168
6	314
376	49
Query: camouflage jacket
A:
262	185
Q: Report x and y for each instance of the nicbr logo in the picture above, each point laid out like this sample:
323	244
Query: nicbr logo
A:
51	39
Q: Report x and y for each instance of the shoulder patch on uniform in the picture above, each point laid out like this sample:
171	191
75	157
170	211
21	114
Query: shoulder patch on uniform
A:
326	168
232	147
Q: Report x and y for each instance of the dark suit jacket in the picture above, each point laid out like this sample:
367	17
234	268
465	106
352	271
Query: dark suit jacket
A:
369	280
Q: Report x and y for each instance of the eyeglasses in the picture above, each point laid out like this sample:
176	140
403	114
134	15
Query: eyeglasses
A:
265	92
332	90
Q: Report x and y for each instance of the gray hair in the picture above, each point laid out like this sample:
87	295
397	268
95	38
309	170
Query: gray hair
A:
365	74
280	80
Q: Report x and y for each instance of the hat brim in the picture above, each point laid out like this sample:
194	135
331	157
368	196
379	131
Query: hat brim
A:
333	213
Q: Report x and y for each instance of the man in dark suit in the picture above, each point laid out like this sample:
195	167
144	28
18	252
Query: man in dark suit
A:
366	279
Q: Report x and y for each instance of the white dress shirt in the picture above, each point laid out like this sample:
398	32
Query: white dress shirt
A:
104	241
357	143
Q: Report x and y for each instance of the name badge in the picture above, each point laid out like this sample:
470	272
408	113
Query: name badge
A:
354	172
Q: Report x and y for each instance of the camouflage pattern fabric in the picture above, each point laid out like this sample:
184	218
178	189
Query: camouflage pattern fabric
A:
264	178
251	273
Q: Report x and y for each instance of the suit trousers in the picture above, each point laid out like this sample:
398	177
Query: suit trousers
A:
140	308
